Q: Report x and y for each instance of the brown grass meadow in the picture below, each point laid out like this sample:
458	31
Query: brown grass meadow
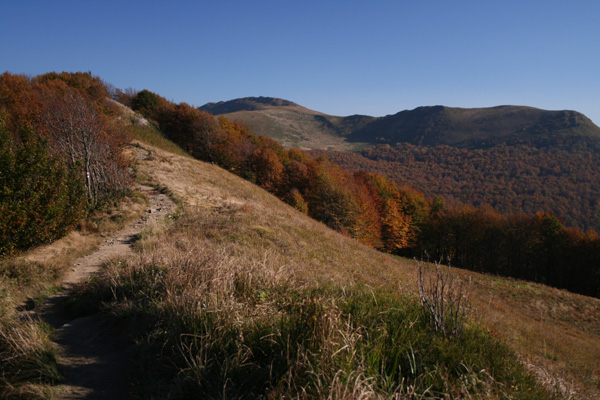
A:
244	297
555	333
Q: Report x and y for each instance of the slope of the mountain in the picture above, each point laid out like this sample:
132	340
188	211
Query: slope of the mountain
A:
238	267
297	126
291	124
255	227
512	179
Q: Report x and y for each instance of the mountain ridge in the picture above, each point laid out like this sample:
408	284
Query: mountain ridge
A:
477	127
483	127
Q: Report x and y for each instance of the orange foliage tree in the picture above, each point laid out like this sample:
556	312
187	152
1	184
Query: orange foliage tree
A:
267	168
395	223
85	83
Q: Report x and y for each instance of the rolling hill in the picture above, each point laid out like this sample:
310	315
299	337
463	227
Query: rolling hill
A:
479	127
291	124
242	232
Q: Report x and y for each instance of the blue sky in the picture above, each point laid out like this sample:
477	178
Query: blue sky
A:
339	57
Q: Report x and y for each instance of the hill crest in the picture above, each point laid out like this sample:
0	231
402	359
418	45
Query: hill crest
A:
477	127
297	126
290	123
246	104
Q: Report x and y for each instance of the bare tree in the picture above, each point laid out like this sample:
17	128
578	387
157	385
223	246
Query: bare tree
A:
86	139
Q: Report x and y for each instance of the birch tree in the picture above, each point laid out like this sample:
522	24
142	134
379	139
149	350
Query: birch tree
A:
86	138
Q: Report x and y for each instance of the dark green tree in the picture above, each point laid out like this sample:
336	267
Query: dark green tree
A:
40	198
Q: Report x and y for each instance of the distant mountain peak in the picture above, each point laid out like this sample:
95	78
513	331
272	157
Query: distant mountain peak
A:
246	104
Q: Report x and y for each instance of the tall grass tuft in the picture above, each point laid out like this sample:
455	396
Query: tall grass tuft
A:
443	299
28	359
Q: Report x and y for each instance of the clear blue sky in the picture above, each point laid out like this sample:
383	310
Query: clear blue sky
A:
338	57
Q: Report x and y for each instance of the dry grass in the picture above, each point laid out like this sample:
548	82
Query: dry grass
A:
28	369
233	264
554	330
220	306
295	126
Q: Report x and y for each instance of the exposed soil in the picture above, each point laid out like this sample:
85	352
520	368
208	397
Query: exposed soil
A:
92	356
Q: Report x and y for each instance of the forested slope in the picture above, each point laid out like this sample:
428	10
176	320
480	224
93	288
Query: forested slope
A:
60	155
512	179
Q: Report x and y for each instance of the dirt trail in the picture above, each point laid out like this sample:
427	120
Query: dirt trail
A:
92	356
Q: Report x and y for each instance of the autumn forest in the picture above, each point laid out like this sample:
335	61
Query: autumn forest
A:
517	178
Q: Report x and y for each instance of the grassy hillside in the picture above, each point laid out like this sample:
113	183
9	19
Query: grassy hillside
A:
377	212
291	124
245	297
254	260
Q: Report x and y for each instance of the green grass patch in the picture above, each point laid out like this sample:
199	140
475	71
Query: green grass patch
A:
150	135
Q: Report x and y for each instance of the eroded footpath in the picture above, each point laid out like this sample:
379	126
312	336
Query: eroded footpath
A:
92	355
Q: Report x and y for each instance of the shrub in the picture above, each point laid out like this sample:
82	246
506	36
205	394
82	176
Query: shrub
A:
40	199
442	299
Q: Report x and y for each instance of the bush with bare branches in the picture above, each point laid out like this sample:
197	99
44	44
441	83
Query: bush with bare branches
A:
443	299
